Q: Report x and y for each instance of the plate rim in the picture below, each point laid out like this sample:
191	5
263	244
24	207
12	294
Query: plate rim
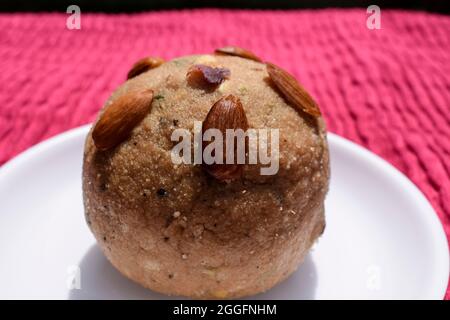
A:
439	238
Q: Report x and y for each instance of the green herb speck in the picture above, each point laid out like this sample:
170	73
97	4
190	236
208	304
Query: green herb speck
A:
243	90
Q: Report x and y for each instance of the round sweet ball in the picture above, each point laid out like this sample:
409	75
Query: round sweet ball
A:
196	229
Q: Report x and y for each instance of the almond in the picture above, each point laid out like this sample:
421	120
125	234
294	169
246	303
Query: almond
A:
239	52
120	117
144	65
202	76
226	113
292	91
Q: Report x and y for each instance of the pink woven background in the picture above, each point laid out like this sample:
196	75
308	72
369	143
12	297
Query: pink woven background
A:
388	89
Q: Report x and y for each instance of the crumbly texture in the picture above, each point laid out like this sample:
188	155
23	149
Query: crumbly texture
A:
176	230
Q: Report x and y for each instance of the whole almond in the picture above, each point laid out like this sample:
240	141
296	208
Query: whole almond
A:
226	113
293	92
120	117
144	65
239	52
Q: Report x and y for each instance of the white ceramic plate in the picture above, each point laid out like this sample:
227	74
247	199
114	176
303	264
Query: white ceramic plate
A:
383	240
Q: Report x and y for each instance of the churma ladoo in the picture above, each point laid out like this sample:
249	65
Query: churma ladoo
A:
206	230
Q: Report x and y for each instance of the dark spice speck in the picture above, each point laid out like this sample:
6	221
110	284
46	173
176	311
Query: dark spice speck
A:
161	192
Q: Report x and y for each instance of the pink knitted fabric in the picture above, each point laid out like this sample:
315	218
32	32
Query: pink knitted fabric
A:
388	89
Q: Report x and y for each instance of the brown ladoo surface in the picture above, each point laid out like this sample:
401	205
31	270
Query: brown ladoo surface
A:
176	229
